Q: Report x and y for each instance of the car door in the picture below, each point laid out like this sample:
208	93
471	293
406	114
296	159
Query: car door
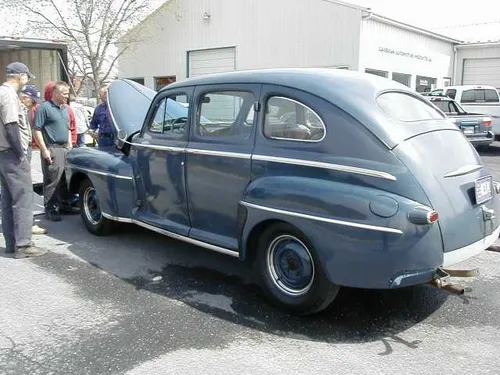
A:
160	162
218	160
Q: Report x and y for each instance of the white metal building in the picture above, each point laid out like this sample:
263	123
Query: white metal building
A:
187	38
478	64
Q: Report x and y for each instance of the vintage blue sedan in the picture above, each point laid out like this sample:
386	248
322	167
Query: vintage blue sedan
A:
318	178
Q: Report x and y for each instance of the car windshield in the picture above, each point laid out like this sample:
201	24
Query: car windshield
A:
405	107
175	110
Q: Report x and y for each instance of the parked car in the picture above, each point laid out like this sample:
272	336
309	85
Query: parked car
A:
475	126
317	178
476	99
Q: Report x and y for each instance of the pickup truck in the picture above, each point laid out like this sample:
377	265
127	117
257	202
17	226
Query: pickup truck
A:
475	126
476	98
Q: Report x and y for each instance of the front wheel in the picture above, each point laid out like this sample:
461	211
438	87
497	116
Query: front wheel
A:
291	273
90	210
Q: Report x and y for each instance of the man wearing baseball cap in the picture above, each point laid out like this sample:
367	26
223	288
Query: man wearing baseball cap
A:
15	172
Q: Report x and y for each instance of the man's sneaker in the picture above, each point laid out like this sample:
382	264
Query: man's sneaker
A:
52	215
29	252
36	229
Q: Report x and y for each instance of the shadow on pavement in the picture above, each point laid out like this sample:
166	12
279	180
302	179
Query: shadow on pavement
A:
223	288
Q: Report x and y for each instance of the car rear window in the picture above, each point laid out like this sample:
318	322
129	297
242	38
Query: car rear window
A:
405	107
480	96
446	106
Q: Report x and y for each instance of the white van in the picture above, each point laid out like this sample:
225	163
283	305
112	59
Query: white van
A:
476	99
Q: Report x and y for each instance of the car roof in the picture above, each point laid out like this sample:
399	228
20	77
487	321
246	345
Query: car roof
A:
468	87
354	92
326	83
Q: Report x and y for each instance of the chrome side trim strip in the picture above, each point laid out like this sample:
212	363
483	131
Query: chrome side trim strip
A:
116	218
318	164
101	173
466	169
175	236
158	147
323	219
236	155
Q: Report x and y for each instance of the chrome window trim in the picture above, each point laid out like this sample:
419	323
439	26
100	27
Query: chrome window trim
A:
292	139
323	219
175	236
319	164
101	173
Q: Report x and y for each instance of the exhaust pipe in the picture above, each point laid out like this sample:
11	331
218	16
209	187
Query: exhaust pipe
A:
442	279
452	288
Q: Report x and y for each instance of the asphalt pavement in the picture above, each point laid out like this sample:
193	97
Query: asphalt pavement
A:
139	303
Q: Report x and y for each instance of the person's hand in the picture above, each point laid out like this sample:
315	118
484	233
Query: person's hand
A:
47	157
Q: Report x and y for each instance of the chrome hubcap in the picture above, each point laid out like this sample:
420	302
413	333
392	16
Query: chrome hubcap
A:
290	265
91	206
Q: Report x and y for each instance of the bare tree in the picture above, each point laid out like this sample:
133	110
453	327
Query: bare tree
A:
91	27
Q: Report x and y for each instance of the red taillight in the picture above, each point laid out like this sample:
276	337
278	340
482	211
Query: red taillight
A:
487	121
432	217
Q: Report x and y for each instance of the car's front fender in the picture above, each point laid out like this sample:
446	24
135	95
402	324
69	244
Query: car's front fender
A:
110	173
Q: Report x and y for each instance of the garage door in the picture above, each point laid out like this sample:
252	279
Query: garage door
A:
482	72
211	61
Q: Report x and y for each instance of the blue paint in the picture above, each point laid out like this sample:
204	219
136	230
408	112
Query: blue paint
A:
217	189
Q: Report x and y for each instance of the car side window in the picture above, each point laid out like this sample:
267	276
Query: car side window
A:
288	119
451	93
171	116
225	114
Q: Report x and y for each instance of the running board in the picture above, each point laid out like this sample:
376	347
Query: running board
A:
175	236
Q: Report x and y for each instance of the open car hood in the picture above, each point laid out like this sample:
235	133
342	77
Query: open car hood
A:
128	103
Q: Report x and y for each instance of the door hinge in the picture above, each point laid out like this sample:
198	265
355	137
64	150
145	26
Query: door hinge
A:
256	106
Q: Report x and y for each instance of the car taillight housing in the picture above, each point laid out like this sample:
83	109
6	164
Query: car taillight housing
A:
432	217
487	121
423	216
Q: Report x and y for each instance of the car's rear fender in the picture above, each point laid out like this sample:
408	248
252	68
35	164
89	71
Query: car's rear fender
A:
357	247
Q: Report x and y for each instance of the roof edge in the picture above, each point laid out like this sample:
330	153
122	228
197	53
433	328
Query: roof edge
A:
390	21
348	5
478	44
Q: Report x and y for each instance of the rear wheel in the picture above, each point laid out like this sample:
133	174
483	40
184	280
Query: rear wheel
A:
290	271
90	210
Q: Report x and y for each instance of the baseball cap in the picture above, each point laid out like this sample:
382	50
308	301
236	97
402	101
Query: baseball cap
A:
18	68
32	92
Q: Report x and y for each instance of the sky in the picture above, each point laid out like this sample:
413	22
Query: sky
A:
447	17
471	21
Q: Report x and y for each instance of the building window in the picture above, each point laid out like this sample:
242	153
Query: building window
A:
425	84
140	81
405	79
379	73
288	119
161	82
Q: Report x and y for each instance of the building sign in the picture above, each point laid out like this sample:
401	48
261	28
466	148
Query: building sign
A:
404	54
